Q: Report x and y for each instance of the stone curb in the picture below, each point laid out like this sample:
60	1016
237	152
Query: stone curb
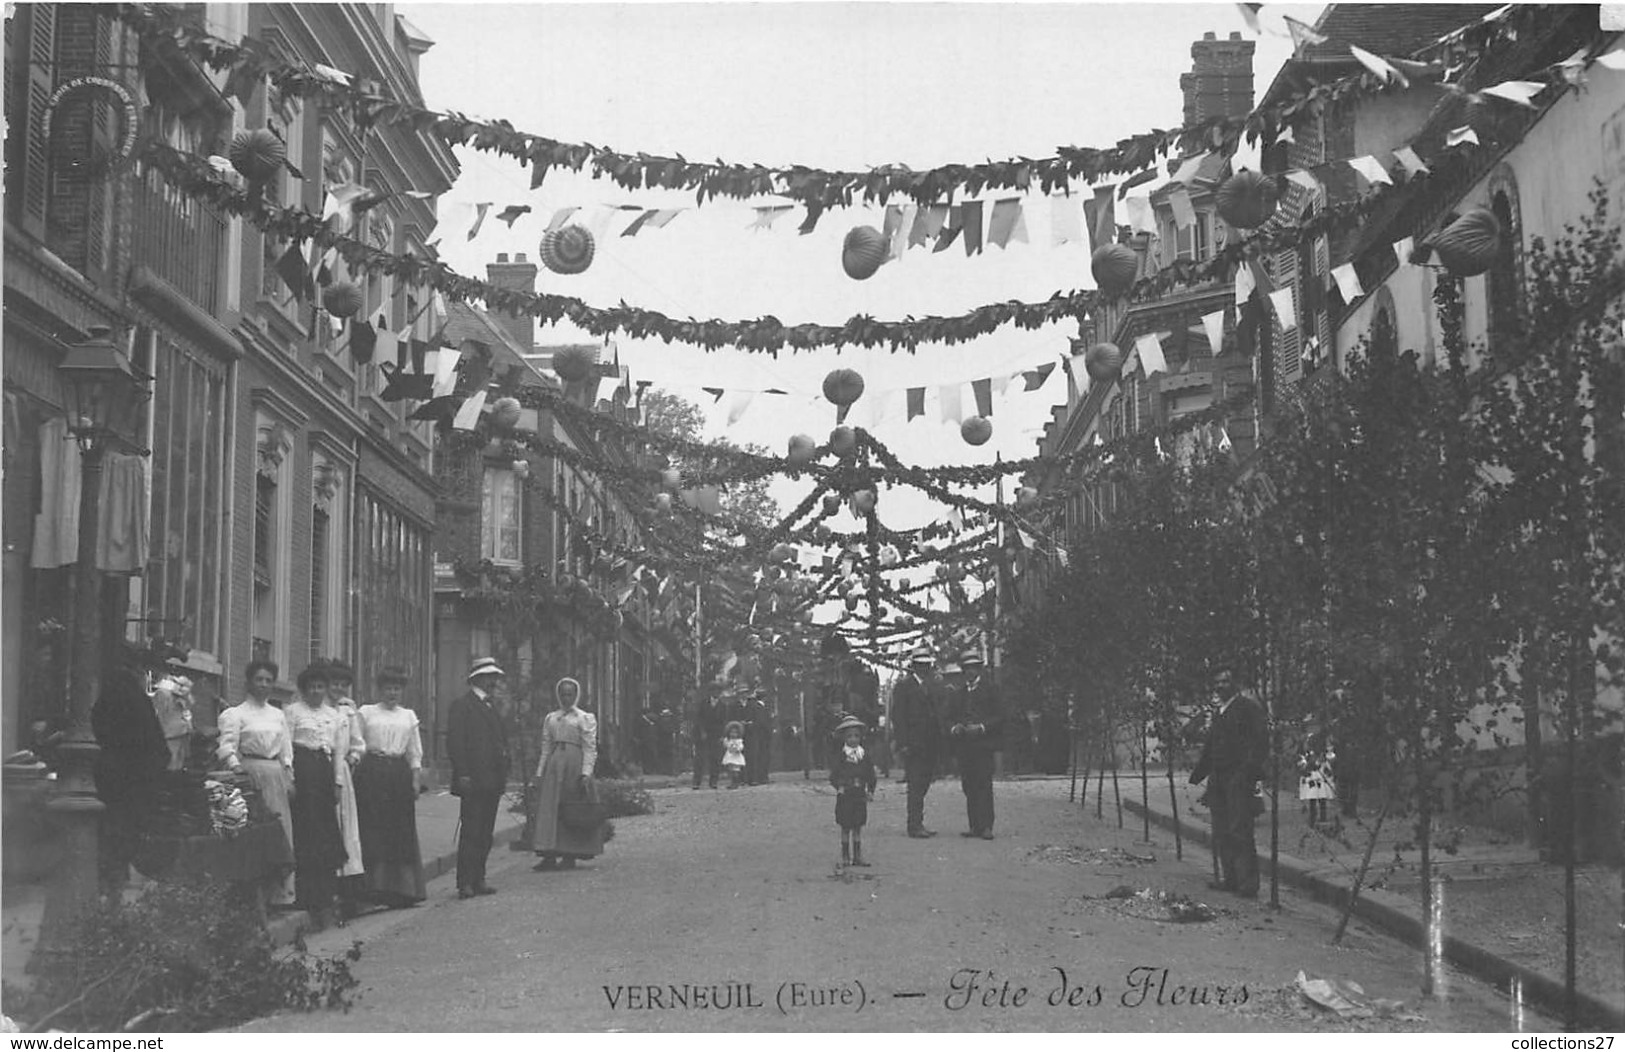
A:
1399	918
284	928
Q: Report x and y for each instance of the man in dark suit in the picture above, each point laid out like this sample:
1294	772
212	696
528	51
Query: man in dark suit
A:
478	749
1236	750
758	730
917	730
710	717
976	729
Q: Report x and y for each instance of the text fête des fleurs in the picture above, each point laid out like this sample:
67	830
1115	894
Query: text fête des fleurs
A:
967	989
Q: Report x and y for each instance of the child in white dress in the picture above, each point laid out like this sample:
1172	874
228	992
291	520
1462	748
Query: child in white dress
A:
733	753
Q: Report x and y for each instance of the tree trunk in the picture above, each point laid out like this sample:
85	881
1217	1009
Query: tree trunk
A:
1365	867
1424	839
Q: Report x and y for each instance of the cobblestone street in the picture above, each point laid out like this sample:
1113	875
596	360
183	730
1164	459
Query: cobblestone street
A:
734	897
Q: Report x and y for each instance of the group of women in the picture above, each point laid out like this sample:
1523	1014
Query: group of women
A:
341	779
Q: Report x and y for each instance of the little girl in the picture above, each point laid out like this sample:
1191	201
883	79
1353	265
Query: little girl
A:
1316	786
733	753
852	773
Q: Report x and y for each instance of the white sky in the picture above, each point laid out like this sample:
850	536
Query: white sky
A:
832	85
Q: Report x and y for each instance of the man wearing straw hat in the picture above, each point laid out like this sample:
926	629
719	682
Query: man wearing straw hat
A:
918	730
976	728
478	749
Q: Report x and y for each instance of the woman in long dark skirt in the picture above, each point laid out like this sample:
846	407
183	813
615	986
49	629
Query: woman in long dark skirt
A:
318	846
386	796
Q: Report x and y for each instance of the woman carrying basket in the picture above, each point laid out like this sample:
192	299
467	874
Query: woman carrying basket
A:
566	824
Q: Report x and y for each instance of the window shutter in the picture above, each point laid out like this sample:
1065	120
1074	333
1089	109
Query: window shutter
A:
41	60
1288	361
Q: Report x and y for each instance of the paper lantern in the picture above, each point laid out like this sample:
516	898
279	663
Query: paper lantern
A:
843	440
1246	199
505	413
843	386
1026	495
342	299
863	501
1114	267
888	555
976	430
832	503
863	252
258	154
575	363
521	470
1470	245
802	449
567	250
1103	362
672	479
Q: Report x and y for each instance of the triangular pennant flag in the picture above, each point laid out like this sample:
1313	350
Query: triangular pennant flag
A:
916	402
715	393
1303	179
766	214
1369	167
936	217
1002	223
1261	277
1286	135
899	238
561	217
331	75
480	208
950	229
1065	221
445	371
1614	60
633	227
468	414
291	268
1281	300
1179	199
1460	135
1213	325
1141	218
1188	170
814	210
662	216
1249	15
1100	217
1348	282
1001	384
1019	231
1036	378
1410	162
1376	65
1302	35
948	395
1149	348
971	214
919	230
982	391
511	213
1403	249
1244	283
1522	92
737	406
891	227
598	222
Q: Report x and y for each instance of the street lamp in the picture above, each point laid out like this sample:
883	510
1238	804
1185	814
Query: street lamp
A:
104	395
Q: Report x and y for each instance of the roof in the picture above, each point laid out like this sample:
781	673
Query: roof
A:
464	322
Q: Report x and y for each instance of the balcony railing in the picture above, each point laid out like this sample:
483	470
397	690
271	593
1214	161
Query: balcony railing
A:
179	239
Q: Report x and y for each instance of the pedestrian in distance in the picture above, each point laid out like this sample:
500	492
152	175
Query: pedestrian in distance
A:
758	739
852	773
976	728
1317	787
1232	763
317	730
386	796
478	751
710	716
564	776
733	753
917	731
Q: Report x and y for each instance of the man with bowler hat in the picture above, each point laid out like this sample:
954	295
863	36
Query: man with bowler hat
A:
918	734
478	749
1236	750
976	730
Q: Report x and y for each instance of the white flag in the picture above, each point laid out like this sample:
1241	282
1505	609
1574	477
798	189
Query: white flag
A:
1281	300
738	404
1214	325
1149	348
1376	65
1460	135
1403	249
952	407
1522	92
1065	220
1244	282
561	217
1303	179
445	371
1348	282
1371	169
1410	162
468	414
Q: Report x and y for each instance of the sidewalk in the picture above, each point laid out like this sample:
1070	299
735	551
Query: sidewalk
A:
1501	907
23	905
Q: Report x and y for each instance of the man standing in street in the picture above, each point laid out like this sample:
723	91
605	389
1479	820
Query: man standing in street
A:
710	716
758	731
478	750
918	731
976	728
1236	750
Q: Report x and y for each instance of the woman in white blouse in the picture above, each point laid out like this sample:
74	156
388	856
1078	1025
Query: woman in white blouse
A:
318	848
254	742
340	678
386	796
569	752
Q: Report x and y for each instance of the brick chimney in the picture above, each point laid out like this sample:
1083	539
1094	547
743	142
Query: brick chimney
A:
1220	83
520	276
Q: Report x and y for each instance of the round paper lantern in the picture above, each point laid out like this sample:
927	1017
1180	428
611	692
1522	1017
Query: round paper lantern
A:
888	555
672	479
521	470
843	386
976	430
1114	267
567	250
1470	245
863	252
843	440
505	413
1103	362
832	503
802	449
575	363
1026	495
1246	199
258	154
342	299
863	501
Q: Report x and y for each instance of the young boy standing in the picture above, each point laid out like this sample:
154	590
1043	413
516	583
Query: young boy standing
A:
852	773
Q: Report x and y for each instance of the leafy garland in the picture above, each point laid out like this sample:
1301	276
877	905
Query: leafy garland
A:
251	61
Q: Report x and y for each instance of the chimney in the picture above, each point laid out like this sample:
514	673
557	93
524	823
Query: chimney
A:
1220	83
521	277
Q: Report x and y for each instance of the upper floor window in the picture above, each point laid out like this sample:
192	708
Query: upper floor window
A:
500	517
1504	283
